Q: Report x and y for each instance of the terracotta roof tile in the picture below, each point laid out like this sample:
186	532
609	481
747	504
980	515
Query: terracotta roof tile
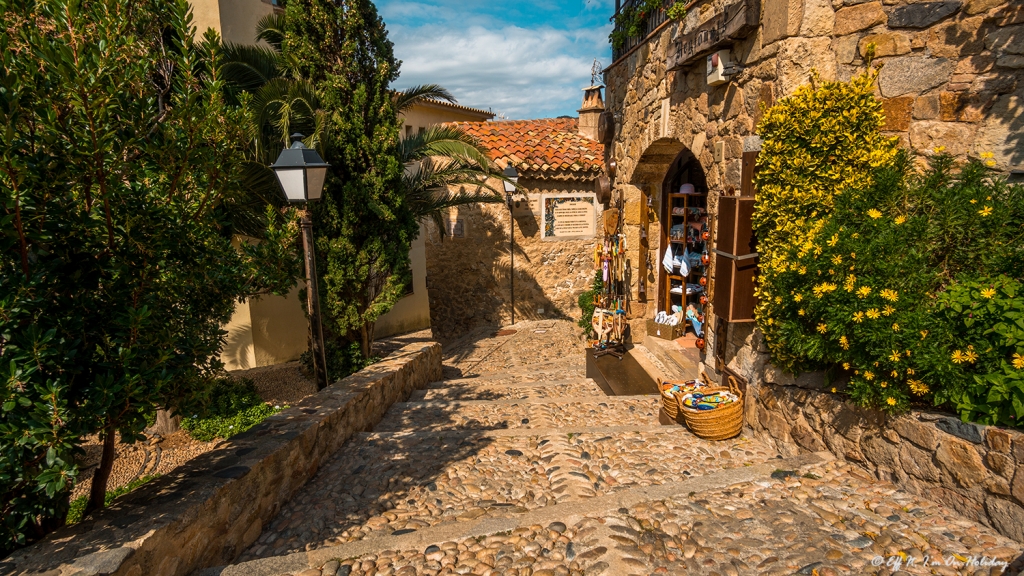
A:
545	146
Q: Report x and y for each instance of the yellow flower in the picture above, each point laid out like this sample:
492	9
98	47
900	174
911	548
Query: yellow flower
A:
924	334
959	357
846	365
986	211
824	288
940	149
822	328
873	314
869	375
833	240
888	310
798	298
973	201
1018	362
858	317
863	291
890	295
801	312
900	220
844	342
988	293
987	155
891	401
833	389
884	384
918	387
894	374
837	259
874	214
971	356
895	356
778	299
895	327
990	163
910	371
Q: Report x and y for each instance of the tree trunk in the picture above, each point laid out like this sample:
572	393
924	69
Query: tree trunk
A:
98	492
364	340
167	423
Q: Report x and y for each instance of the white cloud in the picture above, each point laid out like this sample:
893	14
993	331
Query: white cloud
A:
515	71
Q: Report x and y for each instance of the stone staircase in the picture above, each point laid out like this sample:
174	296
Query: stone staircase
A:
535	471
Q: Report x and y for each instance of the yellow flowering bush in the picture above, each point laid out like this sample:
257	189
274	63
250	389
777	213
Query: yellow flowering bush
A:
864	260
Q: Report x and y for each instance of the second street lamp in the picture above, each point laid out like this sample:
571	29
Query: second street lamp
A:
301	173
512	179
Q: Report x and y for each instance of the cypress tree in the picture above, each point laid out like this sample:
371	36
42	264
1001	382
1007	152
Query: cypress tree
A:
363	232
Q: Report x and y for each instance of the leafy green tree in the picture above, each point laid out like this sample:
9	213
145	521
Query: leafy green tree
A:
363	229
121	182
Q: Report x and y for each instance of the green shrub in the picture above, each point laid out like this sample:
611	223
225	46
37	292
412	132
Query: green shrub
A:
76	512
234	407
906	281
587	306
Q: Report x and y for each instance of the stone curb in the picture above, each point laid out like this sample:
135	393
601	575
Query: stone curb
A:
545	368
566	512
471	383
582	400
524	432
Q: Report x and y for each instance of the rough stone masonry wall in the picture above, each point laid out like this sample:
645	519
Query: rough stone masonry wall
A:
209	510
951	76
975	470
468	277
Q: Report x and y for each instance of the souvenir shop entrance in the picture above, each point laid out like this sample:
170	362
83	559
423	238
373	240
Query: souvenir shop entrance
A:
685	250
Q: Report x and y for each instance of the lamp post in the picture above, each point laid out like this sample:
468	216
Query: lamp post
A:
512	178
301	173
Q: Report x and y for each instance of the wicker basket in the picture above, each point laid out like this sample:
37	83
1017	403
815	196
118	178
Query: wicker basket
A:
720	423
668	399
668	402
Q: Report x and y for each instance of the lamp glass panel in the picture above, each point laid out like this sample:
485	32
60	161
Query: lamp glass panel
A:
291	180
315	182
509	187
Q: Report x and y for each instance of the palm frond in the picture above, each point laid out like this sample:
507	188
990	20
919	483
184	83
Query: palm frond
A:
271	29
445	141
405	99
248	68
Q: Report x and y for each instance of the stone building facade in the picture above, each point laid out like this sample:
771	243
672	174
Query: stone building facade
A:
468	268
951	75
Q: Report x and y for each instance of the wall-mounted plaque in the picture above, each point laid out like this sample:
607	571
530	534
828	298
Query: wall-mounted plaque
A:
567	216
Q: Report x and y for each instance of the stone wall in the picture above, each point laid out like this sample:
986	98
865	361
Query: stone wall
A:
976	470
468	276
206	512
951	76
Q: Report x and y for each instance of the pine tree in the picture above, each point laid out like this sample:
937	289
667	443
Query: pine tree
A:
363	232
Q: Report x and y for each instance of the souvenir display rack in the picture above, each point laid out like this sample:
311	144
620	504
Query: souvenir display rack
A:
611	305
686	218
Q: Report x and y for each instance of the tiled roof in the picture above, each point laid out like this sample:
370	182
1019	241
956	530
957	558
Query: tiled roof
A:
550	148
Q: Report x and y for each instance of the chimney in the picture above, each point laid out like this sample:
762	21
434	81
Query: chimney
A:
590	114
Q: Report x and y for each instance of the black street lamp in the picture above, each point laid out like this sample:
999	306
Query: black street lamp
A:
301	173
512	178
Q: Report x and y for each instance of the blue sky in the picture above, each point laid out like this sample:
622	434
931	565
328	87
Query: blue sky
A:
521	59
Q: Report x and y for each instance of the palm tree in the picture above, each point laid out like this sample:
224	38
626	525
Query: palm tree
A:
445	167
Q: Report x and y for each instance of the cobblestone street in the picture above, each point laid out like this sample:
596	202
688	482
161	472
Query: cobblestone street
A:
518	464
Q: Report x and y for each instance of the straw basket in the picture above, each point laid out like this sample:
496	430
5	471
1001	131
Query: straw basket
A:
718	424
668	402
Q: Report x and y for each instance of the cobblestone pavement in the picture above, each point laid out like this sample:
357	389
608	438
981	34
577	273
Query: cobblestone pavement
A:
526	468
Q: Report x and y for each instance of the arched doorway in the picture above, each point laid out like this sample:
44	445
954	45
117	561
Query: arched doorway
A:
684	252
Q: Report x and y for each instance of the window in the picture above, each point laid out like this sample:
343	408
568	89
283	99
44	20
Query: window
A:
422	130
408	131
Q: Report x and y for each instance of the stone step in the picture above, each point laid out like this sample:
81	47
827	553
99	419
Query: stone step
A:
527	413
566	368
382	483
526	532
519	391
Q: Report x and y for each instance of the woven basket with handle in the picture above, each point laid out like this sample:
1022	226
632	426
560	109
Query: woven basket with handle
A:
718	424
